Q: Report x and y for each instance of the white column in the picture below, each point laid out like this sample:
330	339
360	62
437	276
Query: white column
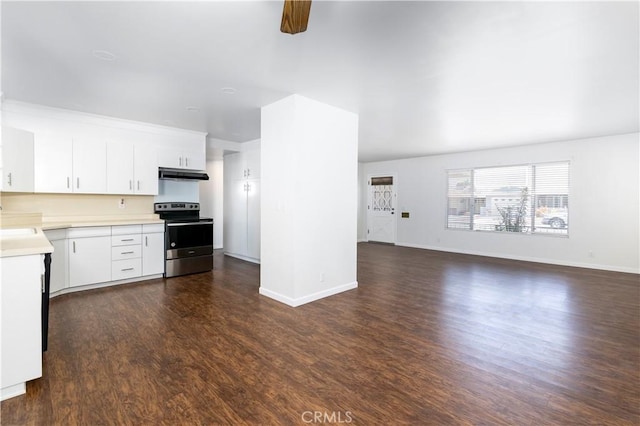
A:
309	176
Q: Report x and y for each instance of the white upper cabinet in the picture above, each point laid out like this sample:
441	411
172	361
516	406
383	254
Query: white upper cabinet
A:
131	168
89	166
145	169
120	167
53	163
90	154
181	158
17	160
63	164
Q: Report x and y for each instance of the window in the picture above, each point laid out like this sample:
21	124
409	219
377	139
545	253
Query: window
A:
526	199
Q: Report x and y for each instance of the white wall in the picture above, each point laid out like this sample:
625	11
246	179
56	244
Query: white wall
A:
309	176
177	191
211	199
604	204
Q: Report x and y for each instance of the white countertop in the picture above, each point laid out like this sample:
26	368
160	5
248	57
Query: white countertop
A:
24	245
49	223
34	242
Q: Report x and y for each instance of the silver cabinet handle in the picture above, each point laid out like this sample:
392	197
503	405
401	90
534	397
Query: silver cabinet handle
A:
138	185
78	183
130	185
146	241
126	269
67	182
10	180
180	161
244	173
248	172
186	162
127	239
126	252
74	246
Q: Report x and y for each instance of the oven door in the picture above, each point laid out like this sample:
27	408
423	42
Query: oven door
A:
189	239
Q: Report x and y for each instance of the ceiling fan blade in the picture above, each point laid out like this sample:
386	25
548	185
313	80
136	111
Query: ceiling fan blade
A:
295	16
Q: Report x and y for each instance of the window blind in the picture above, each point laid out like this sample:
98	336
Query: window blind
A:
526	199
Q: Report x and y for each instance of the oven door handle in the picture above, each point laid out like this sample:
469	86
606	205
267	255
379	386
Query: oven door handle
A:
189	224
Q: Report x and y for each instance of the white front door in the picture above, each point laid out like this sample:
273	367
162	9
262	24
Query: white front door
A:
381	217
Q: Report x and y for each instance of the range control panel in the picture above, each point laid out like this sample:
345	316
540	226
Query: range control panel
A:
176	207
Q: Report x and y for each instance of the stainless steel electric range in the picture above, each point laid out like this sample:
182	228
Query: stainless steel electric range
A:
188	238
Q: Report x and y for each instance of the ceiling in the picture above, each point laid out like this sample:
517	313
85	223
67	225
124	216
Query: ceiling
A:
425	77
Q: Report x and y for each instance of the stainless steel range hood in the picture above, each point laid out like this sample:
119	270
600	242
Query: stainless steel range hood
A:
181	174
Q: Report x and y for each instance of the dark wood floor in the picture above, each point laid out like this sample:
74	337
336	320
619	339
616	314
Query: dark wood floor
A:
427	338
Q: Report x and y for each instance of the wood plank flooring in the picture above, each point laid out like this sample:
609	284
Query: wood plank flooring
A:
427	338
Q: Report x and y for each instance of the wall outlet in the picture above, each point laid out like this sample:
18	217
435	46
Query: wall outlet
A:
121	203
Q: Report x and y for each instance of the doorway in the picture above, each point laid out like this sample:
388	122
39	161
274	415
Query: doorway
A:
381	209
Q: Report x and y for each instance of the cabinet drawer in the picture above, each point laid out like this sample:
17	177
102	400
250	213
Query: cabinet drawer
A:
126	252
128	268
125	240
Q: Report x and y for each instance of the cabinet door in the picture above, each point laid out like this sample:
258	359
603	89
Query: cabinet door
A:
234	167
53	163
120	167
20	311
170	157
252	163
145	169
153	253
253	218
89	260
194	160
89	166
17	160
235	230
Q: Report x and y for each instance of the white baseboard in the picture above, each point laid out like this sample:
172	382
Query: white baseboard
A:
12	391
309	298
527	259
241	257
101	285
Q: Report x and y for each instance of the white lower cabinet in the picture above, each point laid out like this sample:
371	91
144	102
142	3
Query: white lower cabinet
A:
152	249
89	255
20	311
103	254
